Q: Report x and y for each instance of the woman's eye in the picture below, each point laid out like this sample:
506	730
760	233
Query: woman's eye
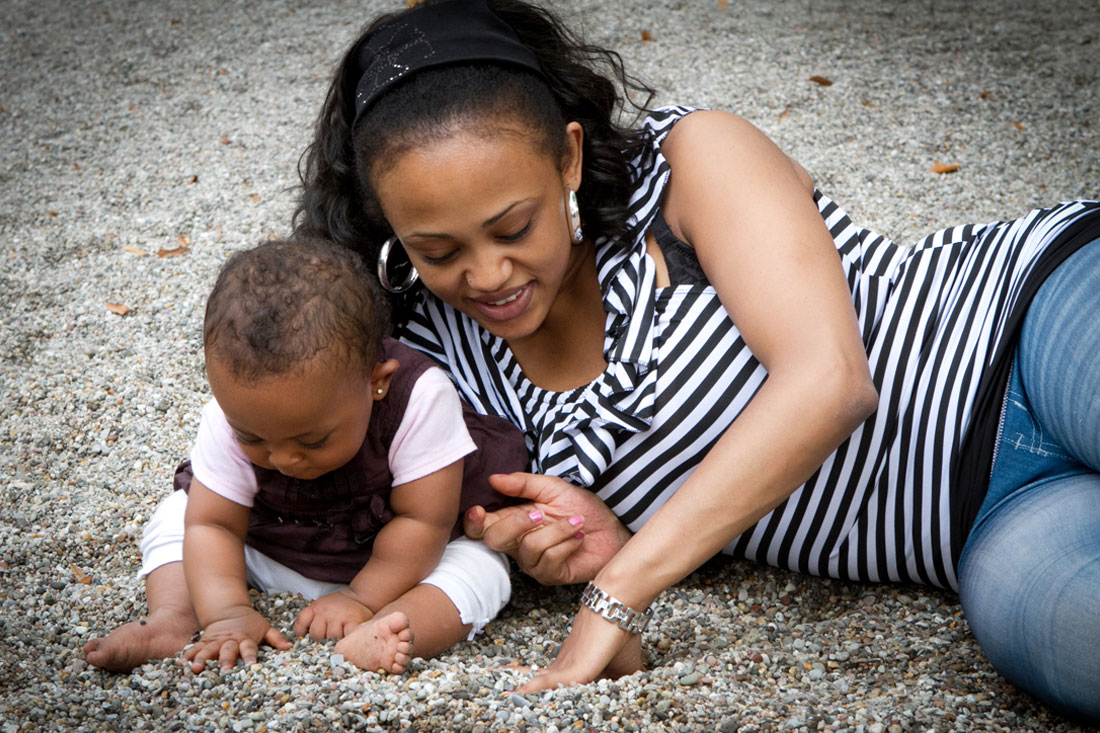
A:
516	235
438	260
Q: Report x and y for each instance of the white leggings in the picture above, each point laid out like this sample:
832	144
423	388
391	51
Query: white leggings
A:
474	577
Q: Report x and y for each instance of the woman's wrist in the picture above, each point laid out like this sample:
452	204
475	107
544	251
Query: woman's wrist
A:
611	609
629	581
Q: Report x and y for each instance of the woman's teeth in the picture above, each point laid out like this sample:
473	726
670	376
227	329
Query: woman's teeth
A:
509	299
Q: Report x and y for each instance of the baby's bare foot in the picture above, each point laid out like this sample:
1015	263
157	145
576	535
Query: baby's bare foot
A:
163	633
380	645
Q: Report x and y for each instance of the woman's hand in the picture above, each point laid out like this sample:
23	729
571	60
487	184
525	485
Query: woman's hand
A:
594	648
565	535
237	636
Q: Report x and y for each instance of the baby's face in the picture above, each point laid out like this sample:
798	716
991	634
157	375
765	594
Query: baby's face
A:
302	425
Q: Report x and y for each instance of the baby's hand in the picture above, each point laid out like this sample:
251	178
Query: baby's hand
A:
231	638
333	616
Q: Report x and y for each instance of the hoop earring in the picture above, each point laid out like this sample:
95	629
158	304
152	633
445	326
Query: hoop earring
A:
383	269
575	217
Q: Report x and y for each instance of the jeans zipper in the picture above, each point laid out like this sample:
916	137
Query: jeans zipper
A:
1000	426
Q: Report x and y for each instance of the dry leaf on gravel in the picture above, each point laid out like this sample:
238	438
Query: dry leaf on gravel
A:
117	308
135	250
938	167
81	576
821	80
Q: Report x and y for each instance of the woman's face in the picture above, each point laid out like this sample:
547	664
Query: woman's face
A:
483	218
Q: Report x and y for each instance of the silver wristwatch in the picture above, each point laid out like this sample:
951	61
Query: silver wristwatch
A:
614	610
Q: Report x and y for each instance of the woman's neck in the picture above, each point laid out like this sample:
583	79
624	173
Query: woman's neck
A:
567	350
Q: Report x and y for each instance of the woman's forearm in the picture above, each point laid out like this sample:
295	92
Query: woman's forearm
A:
784	434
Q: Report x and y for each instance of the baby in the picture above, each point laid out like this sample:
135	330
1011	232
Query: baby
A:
332	462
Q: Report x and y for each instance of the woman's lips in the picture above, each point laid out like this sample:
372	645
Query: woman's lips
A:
504	306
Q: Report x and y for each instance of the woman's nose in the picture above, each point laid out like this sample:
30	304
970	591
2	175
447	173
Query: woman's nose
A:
489	270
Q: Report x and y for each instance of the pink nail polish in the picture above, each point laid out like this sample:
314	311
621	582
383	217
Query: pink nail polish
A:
576	520
579	535
536	516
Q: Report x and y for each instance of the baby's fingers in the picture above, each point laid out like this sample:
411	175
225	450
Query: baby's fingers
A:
249	652
198	654
304	621
227	657
275	638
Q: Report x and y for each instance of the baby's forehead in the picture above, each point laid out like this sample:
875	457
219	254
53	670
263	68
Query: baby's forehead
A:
334	363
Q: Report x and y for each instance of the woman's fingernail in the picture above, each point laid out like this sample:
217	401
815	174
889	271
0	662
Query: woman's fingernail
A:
576	520
536	516
579	535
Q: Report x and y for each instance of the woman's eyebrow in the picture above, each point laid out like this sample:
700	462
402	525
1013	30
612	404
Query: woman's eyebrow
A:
494	219
484	225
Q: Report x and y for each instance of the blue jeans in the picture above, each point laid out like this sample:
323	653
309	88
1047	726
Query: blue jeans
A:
1029	575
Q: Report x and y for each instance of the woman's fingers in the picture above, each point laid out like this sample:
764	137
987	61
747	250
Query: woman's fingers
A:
505	528
544	553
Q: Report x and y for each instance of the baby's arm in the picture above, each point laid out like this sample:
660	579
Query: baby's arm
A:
213	563
405	551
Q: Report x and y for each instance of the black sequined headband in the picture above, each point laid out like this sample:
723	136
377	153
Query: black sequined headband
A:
434	34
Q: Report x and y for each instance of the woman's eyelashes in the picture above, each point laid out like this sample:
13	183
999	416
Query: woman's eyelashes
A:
506	236
516	236
438	259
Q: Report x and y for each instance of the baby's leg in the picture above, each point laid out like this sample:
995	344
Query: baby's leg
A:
466	591
385	643
171	621
163	633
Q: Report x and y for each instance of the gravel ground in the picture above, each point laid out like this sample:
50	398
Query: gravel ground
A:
141	143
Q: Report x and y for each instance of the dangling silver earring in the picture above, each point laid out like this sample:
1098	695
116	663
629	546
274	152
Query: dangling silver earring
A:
383	269
575	217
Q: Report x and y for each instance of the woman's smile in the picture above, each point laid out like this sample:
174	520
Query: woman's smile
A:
506	305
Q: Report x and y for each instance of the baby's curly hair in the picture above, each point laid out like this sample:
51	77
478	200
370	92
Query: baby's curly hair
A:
278	305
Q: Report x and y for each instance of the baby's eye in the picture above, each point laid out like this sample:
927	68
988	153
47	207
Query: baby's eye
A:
247	439
316	444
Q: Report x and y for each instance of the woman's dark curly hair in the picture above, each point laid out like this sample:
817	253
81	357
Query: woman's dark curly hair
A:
278	305
337	199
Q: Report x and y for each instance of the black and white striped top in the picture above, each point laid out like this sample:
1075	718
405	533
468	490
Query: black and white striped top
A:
678	373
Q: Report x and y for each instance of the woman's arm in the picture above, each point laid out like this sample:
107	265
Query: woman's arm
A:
748	211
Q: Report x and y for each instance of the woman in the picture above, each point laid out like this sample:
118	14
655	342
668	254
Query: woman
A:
714	351
706	355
